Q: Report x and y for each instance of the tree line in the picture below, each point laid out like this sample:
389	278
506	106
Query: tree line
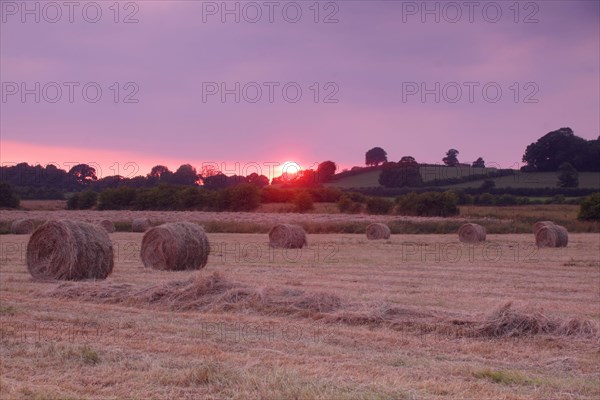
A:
547	154
559	150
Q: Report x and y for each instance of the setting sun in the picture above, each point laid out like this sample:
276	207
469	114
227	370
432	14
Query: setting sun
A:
290	167
287	168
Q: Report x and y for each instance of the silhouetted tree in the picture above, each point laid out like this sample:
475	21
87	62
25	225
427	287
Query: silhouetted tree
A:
451	160
561	146
138	182
48	180
112	181
8	197
326	170
216	182
209	170
83	174
159	171
479	163
235	180
375	156
55	177
306	178
257	180
568	176
185	175
407	160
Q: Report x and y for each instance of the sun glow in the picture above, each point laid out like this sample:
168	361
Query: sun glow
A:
289	169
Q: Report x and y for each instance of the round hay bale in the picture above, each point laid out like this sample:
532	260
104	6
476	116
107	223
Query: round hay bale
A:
378	231
563	236
471	233
551	236
69	250
539	224
140	225
176	246
287	236
108	225
22	227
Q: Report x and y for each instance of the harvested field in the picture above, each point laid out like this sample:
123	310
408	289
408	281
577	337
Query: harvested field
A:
417	316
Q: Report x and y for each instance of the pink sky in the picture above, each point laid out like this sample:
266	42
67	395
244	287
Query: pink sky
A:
369	56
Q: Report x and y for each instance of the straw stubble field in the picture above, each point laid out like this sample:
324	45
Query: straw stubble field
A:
411	317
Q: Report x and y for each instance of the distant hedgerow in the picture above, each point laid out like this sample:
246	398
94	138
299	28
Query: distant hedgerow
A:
428	204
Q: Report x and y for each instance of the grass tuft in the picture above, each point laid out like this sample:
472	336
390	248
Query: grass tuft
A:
7	310
87	355
504	377
198	376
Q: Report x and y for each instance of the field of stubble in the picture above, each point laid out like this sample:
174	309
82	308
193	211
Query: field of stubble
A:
345	318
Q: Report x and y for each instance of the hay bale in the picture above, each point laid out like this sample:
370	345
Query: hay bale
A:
551	236
471	233
539	224
22	227
140	225
69	250
378	231
287	236
175	246
108	225
563	236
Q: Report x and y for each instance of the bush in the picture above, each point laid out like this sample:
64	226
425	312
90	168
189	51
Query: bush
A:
276	195
346	205
244	197
325	194
303	202
506	200
379	205
73	202
462	197
122	198
162	197
287	195
8	197
357	197
428	204
485	198
189	199
82	201
590	208
193	198
87	200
